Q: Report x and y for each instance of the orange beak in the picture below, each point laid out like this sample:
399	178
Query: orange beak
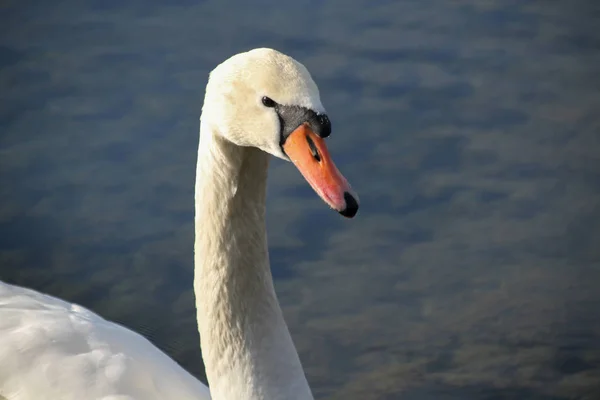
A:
309	154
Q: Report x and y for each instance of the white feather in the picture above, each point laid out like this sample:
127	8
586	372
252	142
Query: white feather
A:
51	349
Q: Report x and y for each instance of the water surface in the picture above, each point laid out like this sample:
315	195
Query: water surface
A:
469	128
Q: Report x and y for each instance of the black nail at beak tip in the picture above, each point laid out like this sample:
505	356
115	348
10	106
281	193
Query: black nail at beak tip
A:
351	206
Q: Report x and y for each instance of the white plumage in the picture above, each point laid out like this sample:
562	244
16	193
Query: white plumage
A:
51	349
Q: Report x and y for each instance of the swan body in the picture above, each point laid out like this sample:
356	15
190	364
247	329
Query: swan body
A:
51	349
257	104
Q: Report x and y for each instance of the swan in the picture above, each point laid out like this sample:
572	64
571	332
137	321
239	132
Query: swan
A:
257	104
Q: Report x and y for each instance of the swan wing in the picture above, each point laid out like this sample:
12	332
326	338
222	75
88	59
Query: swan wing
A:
51	349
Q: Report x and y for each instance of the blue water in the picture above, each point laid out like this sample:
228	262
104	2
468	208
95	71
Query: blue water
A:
470	130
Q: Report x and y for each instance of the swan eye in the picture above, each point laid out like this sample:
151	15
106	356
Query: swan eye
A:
268	102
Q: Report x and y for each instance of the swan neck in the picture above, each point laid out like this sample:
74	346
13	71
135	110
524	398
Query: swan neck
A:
247	349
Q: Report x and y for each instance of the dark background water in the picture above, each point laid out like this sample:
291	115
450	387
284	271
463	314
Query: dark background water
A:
470	129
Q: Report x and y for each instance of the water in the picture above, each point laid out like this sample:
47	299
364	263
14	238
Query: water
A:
469	129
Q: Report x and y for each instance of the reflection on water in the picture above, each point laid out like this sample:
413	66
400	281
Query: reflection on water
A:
470	130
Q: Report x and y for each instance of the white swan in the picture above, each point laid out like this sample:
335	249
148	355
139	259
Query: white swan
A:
257	103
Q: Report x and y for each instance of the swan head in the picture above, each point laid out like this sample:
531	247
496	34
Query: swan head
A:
265	99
